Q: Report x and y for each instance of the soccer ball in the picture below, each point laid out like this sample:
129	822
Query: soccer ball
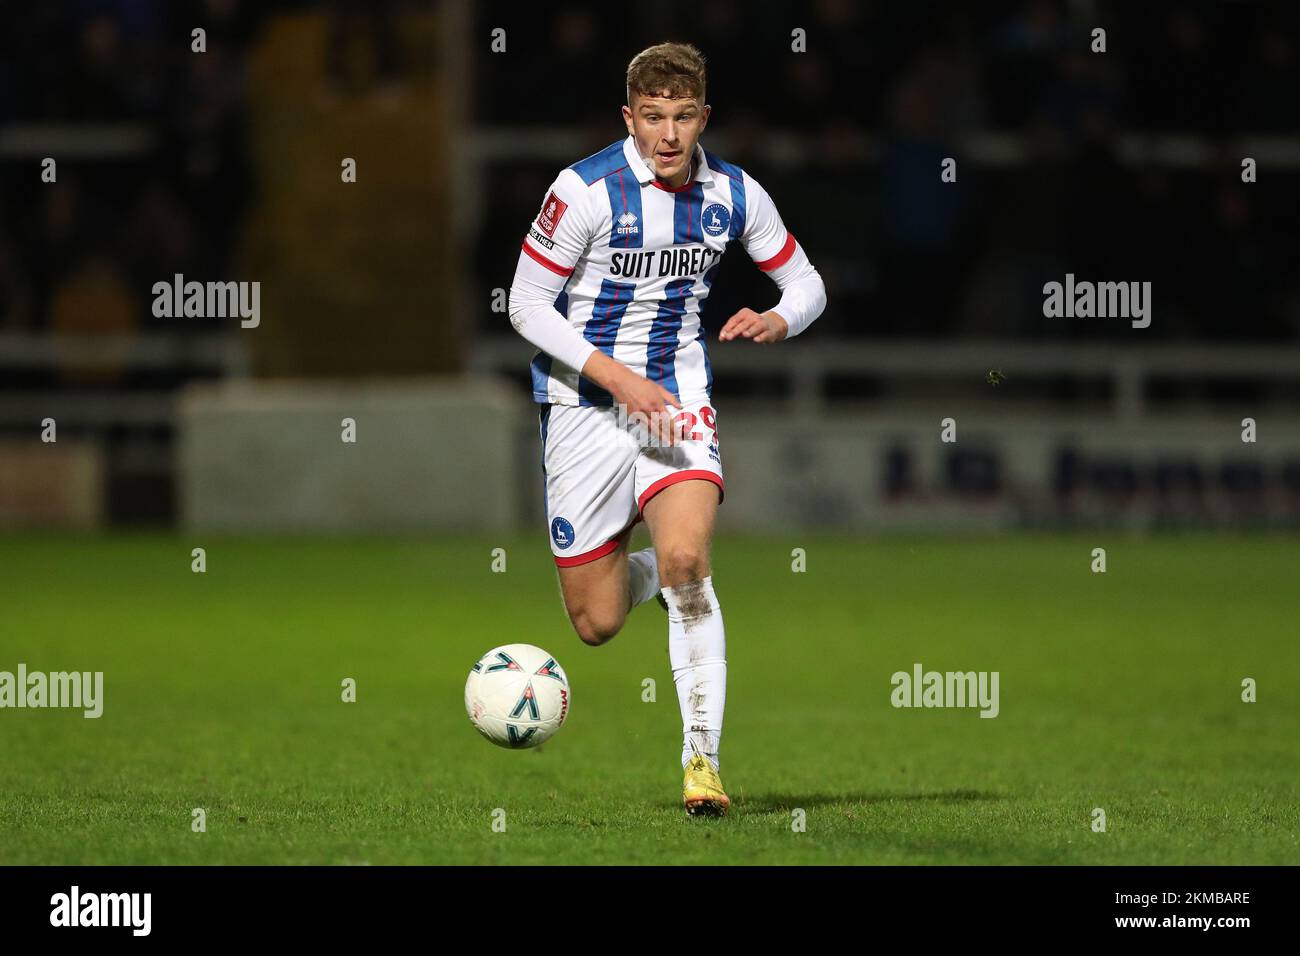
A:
517	696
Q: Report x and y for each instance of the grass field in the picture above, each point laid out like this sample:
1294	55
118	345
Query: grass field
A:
222	691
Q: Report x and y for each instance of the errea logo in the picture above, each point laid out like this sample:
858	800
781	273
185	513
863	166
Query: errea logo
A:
103	909
627	225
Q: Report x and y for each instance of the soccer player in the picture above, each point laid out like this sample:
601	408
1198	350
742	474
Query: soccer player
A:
608	287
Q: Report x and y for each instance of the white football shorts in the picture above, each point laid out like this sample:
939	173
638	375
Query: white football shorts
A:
600	470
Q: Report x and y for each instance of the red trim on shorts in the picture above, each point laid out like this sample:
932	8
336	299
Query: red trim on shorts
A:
781	258
542	260
573	560
675	477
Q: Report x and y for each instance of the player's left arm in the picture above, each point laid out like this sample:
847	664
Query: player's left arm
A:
775	251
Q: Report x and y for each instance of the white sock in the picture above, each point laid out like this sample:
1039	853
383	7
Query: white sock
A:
697	650
643	574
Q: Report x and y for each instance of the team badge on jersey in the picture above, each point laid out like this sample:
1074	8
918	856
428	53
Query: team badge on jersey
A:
562	533
552	211
715	219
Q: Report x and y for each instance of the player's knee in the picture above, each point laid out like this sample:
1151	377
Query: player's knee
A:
682	563
595	627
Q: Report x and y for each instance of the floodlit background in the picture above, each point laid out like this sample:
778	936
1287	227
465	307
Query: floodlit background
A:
1122	166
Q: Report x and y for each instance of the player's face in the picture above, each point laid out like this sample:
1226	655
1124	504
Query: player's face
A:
666	131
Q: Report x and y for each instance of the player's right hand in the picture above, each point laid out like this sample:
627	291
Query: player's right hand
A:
650	402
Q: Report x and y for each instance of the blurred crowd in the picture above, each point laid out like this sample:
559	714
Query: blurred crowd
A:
161	180
886	90
151	145
155	174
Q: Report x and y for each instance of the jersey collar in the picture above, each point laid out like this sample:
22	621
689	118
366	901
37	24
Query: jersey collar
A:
644	174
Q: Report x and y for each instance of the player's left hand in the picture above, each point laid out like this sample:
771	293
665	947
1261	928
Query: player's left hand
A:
763	329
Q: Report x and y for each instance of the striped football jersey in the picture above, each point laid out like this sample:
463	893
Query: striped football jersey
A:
639	259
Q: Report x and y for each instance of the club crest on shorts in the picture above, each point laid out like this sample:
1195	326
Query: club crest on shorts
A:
715	219
562	533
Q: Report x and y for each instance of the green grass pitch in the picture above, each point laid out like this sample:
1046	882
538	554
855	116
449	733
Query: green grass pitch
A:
222	691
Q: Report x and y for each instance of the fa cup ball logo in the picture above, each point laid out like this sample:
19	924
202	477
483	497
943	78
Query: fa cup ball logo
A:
552	212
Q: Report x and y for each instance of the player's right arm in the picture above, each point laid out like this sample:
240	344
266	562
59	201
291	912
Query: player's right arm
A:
557	239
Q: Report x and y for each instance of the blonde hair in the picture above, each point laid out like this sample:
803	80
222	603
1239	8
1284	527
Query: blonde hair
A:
675	68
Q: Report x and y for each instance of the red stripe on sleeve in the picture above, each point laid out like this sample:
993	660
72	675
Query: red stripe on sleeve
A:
781	258
537	257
